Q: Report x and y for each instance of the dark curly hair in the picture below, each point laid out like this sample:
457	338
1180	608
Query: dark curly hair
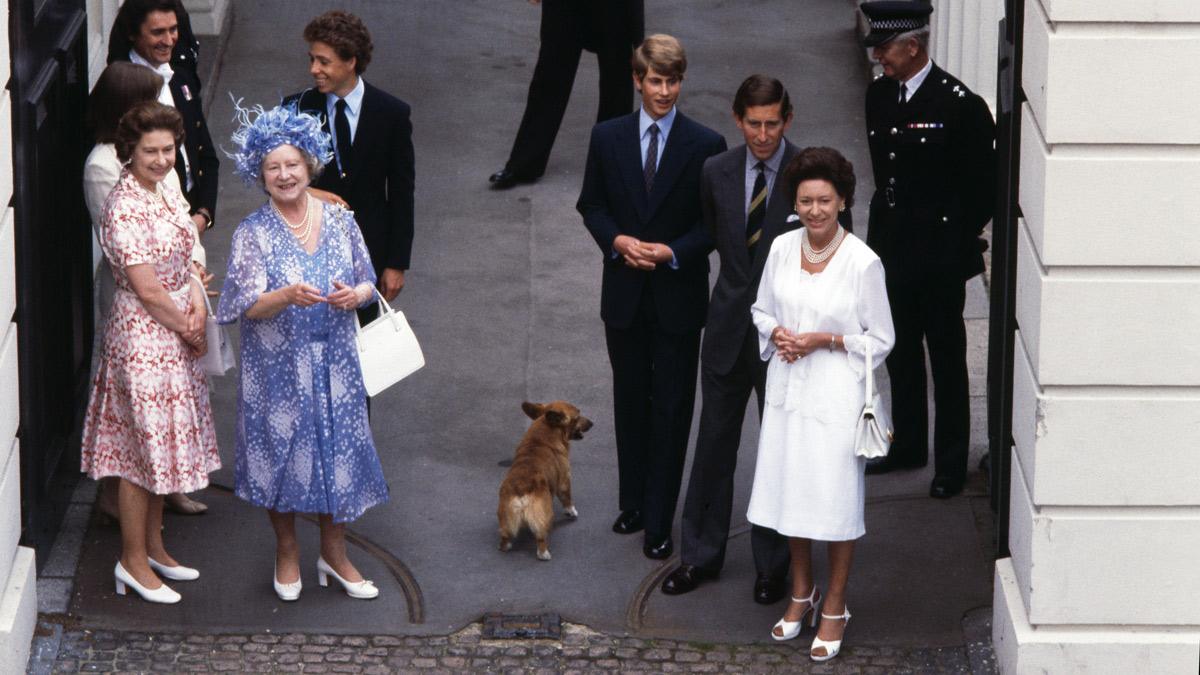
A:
345	33
141	120
824	164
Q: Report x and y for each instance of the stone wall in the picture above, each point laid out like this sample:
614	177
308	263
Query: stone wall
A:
1105	507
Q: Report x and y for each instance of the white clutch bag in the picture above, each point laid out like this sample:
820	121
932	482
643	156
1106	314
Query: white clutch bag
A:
387	349
219	358
873	436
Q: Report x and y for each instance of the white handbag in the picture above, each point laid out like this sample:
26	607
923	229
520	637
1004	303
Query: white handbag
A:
219	358
873	436
387	349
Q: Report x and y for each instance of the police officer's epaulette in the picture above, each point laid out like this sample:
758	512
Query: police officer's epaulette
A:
955	87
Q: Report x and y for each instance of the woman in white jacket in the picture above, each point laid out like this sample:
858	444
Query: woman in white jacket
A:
821	305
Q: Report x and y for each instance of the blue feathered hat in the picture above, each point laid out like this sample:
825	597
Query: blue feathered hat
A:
261	131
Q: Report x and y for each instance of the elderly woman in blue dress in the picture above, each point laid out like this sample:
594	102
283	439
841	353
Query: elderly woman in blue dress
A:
298	269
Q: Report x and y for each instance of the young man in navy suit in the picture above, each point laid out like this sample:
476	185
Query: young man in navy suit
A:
641	202
373	168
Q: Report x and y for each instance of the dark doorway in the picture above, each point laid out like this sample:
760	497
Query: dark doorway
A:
1003	323
53	254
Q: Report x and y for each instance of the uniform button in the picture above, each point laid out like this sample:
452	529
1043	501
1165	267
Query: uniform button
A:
895	131
945	219
891	155
922	139
197	124
200	148
200	172
891	181
872	133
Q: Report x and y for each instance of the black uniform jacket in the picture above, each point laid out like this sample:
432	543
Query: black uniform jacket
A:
934	162
185	90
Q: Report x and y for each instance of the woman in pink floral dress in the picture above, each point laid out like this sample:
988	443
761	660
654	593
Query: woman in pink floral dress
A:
149	421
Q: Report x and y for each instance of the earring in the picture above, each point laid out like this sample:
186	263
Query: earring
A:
841	208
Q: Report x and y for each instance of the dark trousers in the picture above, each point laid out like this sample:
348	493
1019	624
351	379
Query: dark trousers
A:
654	389
709	503
930	308
550	89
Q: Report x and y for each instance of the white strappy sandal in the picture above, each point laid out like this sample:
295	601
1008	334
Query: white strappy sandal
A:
832	647
791	629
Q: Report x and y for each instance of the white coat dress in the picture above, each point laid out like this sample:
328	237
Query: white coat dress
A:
808	482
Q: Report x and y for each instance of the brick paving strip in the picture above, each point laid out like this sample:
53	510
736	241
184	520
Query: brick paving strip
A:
71	649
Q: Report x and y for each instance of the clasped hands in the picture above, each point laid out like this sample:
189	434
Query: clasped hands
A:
303	295
792	346
642	255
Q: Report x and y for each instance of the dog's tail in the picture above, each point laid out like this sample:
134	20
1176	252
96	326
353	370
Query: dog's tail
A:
512	515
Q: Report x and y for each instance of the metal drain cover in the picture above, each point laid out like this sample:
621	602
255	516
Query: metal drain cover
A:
497	626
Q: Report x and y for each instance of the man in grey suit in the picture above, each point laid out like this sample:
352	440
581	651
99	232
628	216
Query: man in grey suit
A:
745	202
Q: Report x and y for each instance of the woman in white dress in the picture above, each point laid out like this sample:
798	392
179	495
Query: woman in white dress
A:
821	305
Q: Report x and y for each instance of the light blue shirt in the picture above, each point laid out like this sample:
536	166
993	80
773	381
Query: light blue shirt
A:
664	130
353	108
770	170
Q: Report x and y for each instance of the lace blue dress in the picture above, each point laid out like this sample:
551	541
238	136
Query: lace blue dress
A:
303	440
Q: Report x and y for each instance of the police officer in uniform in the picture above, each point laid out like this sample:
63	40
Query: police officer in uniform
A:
933	155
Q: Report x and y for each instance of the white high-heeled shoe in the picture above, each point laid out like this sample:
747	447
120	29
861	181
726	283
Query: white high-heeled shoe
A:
176	573
363	590
287	592
163	594
832	647
791	629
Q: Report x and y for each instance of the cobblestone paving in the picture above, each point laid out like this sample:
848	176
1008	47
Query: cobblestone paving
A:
581	650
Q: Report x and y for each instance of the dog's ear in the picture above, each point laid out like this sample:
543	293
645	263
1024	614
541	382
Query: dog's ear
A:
533	410
556	418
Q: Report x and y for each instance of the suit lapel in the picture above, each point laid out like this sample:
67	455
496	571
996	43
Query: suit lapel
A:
672	163
367	118
733	176
629	160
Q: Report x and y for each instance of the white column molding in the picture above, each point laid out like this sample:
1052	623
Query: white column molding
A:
208	16
1105	500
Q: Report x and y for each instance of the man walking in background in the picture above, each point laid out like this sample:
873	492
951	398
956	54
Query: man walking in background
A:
610	28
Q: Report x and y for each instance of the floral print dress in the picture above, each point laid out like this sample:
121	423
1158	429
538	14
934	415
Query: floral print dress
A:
149	420
303	439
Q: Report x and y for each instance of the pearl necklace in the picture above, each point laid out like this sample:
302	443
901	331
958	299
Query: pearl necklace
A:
818	256
303	229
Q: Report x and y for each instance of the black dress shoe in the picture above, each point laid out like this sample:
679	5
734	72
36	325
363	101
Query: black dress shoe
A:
685	579
505	179
628	522
658	550
769	590
945	488
887	464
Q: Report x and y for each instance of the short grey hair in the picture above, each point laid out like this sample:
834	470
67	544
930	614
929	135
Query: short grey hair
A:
921	35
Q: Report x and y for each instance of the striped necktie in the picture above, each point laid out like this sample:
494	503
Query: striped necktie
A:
758	207
651	159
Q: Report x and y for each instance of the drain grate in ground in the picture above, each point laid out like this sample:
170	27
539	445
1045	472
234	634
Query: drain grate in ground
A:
497	626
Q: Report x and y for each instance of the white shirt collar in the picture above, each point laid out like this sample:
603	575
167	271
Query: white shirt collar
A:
914	83
664	124
164	69
353	99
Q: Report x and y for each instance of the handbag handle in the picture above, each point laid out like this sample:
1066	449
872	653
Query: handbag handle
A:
869	393
386	310
204	292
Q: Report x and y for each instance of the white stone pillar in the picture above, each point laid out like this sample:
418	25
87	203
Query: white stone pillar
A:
940	27
18	587
1105	504
208	16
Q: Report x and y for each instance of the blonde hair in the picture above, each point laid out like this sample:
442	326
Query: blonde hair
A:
662	53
